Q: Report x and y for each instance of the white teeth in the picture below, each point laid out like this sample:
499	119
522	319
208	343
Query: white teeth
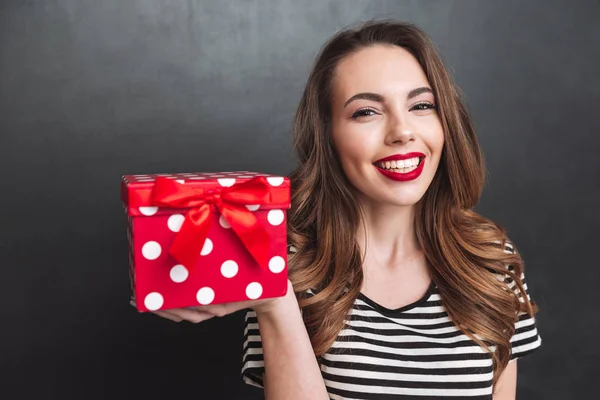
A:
413	162
403	165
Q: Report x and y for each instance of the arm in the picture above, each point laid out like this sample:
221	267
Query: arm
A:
506	387
291	369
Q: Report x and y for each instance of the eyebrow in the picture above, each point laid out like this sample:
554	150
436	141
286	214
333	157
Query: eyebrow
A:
379	98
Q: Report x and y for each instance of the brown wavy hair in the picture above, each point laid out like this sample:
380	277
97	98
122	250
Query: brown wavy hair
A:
464	250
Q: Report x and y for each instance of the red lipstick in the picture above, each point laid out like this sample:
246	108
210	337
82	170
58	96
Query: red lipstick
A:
399	176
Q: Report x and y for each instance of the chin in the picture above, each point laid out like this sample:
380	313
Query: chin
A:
404	199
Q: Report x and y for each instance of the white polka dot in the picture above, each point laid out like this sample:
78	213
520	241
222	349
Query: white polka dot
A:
275	217
151	250
207	248
276	264
148	211
226	182
229	269
254	290
224	222
253	207
154	301
275	180
180	181
175	221
178	273
205	296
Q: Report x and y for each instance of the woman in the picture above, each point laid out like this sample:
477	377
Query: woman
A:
397	288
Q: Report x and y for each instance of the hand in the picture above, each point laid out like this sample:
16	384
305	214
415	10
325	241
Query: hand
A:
198	314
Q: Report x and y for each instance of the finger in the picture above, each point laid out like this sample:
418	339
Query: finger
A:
194	316
168	315
164	313
161	313
221	310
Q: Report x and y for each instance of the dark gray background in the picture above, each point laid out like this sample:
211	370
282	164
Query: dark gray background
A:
94	89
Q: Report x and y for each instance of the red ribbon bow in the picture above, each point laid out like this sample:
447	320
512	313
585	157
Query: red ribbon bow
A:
230	201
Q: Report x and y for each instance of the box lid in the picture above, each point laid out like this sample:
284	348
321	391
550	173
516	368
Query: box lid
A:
136	190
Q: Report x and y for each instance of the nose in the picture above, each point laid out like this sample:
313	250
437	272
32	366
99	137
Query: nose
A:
400	131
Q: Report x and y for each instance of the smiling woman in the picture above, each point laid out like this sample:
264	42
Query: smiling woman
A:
398	289
388	130
404	290
401	167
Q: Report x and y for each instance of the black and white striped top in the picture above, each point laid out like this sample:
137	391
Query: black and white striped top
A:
412	352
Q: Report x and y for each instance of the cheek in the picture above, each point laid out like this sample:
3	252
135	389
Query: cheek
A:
352	150
435	140
439	144
437	147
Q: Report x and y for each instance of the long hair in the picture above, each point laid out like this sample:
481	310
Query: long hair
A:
465	251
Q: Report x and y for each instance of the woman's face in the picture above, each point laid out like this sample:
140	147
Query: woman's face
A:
385	126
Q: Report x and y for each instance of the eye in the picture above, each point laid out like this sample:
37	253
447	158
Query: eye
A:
423	106
365	112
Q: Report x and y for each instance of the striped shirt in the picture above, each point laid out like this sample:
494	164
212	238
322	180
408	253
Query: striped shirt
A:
412	352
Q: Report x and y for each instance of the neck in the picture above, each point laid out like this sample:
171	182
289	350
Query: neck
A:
388	236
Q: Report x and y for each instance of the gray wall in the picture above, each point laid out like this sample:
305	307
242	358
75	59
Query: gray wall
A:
91	90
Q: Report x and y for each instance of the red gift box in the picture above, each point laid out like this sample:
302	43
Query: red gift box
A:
206	238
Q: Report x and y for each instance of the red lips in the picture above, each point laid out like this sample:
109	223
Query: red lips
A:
399	176
404	156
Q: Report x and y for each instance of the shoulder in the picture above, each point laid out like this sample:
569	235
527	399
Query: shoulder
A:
509	247
510	254
291	249
514	275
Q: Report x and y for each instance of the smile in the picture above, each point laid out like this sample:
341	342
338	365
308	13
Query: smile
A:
401	167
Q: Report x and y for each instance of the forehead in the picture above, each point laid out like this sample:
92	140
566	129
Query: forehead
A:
384	69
